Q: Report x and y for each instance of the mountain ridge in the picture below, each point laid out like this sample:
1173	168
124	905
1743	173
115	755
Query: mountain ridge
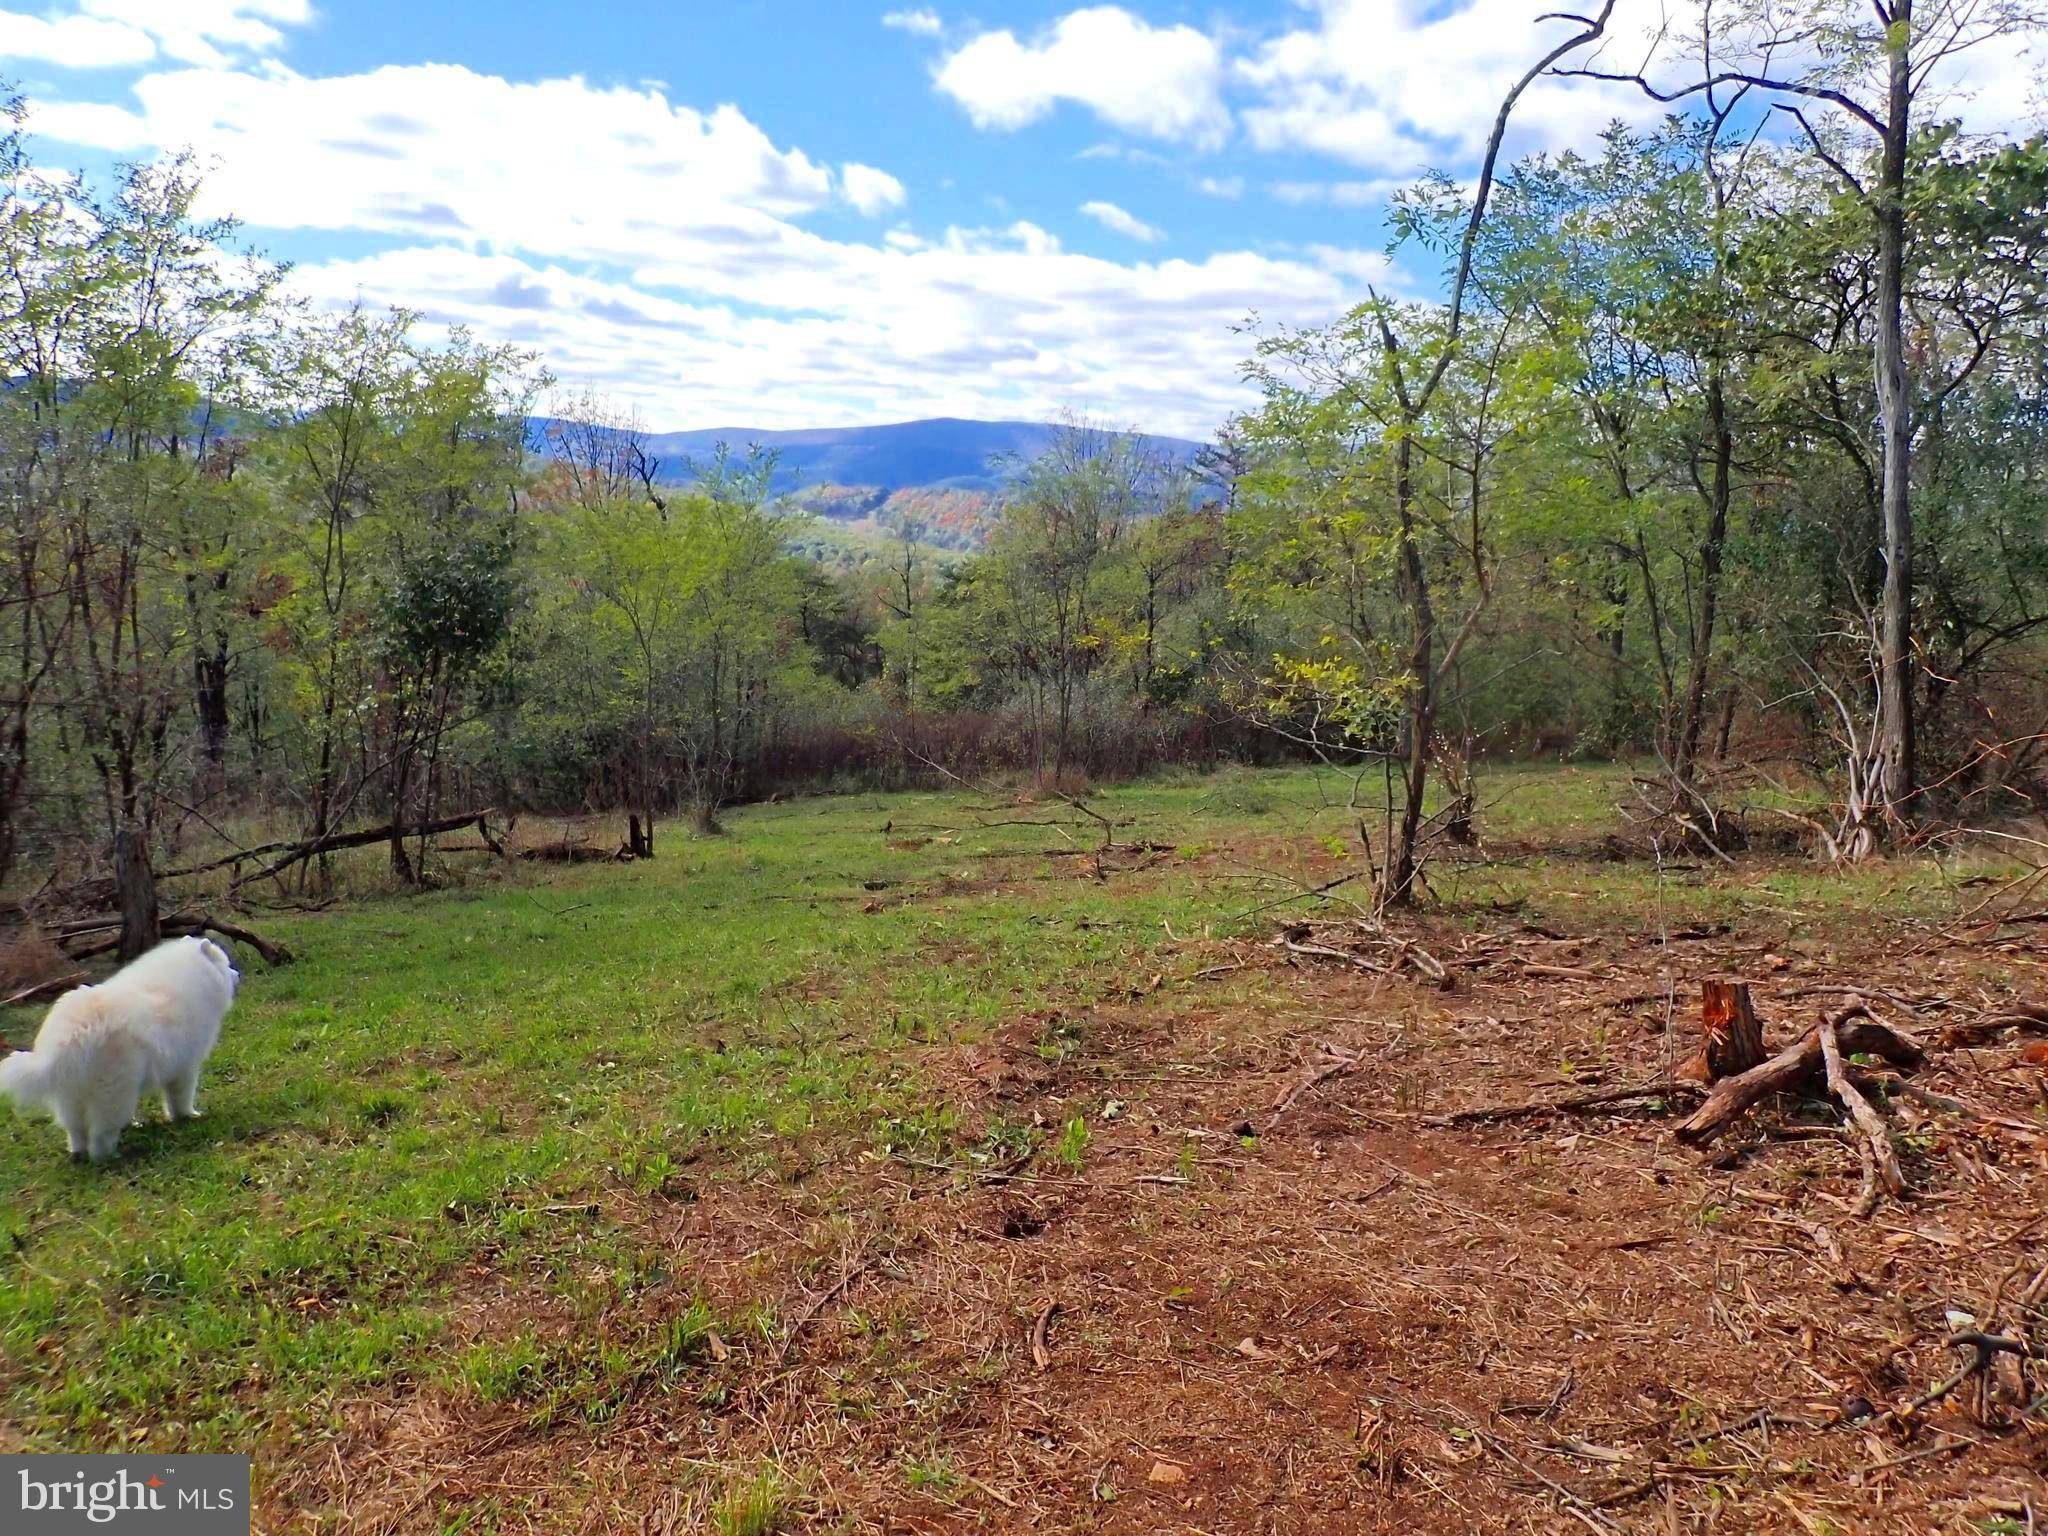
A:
944	453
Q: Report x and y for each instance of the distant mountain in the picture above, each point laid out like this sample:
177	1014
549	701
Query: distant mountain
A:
943	454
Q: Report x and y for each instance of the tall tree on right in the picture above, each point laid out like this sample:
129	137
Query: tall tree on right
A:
1841	70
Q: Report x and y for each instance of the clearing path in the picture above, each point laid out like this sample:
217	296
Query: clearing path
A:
873	1169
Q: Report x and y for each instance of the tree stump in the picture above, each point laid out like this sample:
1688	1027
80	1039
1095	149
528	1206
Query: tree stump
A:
1731	1038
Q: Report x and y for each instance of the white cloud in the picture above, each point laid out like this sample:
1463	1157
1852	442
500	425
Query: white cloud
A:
1398	87
919	23
75	42
1338	194
108	34
1111	217
1220	186
804	331
1162	82
561	167
870	190
86	122
661	253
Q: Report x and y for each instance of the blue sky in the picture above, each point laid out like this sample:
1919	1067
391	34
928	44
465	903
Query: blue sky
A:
814	212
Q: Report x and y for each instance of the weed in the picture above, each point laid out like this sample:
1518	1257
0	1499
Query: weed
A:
1072	1147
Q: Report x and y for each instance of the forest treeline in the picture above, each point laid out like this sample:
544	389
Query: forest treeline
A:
1624	493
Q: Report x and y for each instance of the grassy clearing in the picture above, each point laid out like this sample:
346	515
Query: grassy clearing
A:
451	1096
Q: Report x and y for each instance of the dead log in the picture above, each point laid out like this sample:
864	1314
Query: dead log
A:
1731	1039
1856	1032
273	953
296	851
566	852
180	924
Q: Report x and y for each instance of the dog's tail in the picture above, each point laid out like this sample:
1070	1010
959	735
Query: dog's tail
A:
24	1077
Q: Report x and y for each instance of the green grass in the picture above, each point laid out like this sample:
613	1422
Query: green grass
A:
466	1087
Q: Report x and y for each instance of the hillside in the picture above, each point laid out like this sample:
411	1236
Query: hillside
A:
945	518
944	453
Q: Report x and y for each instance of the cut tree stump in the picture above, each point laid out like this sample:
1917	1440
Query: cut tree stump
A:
1731	1038
1855	1030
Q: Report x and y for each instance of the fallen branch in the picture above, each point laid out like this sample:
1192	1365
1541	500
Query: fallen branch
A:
179	924
1882	1159
313	848
1985	1348
566	852
1327	952
300	850
2022	1016
1041	1356
1295	938
1856	1032
1572	1105
43	991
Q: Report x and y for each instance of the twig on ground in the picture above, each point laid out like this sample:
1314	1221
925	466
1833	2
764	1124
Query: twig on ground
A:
847	1276
1041	1356
1335	1063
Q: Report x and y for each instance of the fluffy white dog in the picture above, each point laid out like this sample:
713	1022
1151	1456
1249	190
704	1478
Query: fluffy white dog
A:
149	1027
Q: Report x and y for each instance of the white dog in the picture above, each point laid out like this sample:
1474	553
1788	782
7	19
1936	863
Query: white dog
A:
149	1027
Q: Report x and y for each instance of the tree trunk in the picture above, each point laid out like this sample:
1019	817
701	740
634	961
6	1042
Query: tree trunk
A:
1720	490
1727	727
1894	747
1403	858
135	887
210	700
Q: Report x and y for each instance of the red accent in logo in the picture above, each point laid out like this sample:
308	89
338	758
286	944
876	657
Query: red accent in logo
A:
154	1482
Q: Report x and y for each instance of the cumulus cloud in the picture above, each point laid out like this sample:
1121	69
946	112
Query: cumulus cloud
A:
1111	217
799	330
1161	82
561	167
109	34
870	190
1395	87
918	23
663	253
75	42
1220	186
1399	87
